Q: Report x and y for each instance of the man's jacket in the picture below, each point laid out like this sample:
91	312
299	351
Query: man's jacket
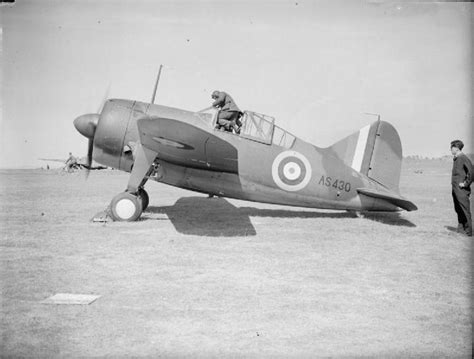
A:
225	102
462	171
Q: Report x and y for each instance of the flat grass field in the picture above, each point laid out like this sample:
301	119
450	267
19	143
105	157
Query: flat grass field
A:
199	277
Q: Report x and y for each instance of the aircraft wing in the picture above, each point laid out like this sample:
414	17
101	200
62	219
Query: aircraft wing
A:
53	160
94	165
186	145
80	162
390	197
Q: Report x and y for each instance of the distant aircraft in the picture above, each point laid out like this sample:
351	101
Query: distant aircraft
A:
80	164
264	163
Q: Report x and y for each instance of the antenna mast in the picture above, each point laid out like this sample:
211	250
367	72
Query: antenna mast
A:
373	114
156	85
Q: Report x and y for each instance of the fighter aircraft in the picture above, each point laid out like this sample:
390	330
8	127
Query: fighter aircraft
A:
264	163
81	163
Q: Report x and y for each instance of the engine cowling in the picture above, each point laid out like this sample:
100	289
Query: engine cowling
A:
114	130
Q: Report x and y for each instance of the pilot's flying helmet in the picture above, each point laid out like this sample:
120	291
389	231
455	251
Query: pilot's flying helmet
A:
215	94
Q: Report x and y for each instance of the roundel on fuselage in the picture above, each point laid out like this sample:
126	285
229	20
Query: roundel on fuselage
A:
291	171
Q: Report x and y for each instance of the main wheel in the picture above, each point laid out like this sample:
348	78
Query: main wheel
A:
144	198
126	207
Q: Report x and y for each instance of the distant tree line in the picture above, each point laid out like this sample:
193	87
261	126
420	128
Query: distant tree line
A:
442	158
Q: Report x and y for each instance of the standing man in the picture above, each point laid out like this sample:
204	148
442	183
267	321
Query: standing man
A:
229	112
71	162
461	179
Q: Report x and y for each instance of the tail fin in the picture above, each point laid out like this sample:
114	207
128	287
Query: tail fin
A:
375	151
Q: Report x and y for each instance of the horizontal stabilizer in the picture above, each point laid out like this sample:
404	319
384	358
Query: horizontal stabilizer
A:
390	197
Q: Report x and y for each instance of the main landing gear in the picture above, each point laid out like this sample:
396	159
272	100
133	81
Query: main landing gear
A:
144	198
129	205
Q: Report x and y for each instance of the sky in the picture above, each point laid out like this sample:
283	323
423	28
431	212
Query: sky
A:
317	67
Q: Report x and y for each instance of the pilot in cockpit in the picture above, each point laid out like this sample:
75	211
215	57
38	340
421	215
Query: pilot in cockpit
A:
229	114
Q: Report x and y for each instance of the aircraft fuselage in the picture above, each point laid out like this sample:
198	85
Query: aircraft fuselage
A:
265	164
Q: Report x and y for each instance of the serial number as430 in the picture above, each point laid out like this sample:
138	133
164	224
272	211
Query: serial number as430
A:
336	183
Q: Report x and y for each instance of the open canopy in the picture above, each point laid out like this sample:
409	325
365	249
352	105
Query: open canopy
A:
255	126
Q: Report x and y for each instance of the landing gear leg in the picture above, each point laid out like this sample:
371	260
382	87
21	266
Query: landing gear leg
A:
143	197
129	205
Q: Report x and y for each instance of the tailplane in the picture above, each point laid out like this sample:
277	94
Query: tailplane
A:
375	151
390	197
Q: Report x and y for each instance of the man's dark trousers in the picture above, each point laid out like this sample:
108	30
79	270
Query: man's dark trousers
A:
228	119
462	208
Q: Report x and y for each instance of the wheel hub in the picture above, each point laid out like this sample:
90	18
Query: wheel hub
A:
125	208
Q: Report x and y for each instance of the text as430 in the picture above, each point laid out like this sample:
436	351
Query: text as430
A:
335	183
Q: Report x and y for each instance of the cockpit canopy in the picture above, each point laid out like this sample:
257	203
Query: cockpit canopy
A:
255	126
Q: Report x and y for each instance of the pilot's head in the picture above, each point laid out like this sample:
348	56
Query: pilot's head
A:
215	94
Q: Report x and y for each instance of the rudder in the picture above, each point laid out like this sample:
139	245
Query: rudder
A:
375	151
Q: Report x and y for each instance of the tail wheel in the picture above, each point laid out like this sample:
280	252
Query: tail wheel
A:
144	198
126	207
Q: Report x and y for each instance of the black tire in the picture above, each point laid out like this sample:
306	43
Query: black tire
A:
125	207
144	198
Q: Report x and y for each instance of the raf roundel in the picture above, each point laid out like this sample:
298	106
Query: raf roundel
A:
291	171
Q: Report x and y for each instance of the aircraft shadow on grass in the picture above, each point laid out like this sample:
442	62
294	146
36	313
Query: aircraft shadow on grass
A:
217	217
453	229
389	218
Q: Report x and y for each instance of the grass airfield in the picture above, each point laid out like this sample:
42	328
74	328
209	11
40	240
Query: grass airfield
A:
199	277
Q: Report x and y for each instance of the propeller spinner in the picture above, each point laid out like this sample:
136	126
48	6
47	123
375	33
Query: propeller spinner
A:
86	126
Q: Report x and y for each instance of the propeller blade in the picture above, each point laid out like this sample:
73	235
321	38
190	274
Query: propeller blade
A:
104	98
89	156
86	125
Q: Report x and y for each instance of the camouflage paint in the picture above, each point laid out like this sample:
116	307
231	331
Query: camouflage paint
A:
194	155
